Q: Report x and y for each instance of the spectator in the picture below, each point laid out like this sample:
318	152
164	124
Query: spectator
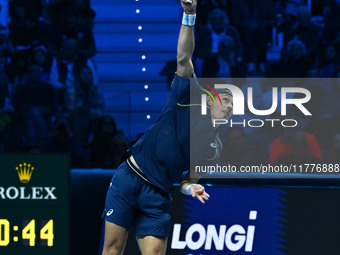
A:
208	38
34	102
307	32
328	60
86	13
41	58
241	151
68	63
204	8
224	62
293	61
254	20
65	68
6	50
63	141
283	145
334	149
18	66
299	153
119	152
280	6
20	9
331	29
290	20
100	148
25	26
67	24
84	105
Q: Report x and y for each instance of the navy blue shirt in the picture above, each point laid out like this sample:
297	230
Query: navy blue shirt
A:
163	152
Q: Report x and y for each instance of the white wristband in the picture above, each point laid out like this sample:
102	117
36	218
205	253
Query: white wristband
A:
188	19
187	189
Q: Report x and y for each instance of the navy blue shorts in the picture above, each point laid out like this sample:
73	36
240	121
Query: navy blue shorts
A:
132	202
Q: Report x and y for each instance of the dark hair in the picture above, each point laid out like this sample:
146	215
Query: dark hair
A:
293	42
101	120
323	60
217	12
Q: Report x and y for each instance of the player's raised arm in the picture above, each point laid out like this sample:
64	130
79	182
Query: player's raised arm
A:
186	41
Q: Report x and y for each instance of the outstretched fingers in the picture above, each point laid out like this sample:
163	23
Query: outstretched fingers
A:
198	191
203	198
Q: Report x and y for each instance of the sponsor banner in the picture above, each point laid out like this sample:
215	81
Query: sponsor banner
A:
34	200
289	220
233	221
32	179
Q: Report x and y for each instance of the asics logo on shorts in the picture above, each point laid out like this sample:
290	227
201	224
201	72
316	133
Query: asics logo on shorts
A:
109	212
213	145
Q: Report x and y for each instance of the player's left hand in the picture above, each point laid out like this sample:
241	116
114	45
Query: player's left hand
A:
198	191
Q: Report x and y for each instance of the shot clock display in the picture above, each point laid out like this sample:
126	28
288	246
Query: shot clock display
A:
34	204
27	233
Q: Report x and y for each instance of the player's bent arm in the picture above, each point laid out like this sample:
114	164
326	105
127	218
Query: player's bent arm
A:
186	41
185	48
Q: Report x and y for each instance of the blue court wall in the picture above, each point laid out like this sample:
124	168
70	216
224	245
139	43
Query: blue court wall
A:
266	217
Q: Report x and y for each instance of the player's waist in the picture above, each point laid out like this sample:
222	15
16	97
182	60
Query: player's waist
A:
137	172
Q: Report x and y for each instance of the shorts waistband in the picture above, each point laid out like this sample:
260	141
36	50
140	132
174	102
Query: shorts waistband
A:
139	173
142	176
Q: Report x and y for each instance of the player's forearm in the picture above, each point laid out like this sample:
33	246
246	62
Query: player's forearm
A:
188	179
185	49
186	41
189	186
185	185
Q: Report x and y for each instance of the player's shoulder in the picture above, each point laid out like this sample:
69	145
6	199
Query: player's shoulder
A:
180	79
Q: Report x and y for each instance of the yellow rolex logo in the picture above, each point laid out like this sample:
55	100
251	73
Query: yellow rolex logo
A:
24	172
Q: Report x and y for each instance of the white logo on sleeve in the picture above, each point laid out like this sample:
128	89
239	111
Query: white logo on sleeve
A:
109	212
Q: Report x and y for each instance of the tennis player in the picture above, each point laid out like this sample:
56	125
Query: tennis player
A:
139	196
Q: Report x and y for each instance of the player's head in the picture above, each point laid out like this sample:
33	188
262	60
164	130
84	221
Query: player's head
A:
218	110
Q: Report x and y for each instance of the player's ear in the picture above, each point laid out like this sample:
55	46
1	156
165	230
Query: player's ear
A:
209	101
